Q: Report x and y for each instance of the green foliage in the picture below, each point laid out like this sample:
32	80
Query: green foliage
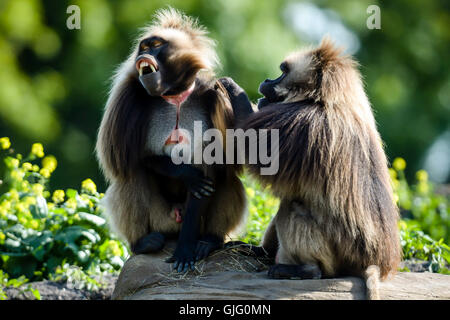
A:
16	283
262	206
59	235
417	244
420	203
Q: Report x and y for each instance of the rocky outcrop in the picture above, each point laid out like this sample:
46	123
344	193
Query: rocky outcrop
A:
228	274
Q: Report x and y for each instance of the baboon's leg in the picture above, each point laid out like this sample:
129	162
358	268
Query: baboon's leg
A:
295	271
150	243
185	251
225	214
270	239
302	241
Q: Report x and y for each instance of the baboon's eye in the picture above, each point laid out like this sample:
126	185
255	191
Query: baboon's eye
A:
144	46
156	43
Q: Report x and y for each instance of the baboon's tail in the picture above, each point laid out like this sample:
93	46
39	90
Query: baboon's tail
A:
372	278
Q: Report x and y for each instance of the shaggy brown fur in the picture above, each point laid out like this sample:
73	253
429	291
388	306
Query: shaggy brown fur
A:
337	208
139	200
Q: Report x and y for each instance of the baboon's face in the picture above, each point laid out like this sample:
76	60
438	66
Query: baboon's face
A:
166	65
291	85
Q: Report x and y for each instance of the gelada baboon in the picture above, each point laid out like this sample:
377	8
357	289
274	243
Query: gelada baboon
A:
165	85
337	215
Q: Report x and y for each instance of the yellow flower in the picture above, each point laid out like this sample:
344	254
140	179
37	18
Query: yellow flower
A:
45	173
50	205
58	196
29	200
22	220
33	224
399	164
27	166
20	207
114	248
89	186
250	192
71	203
25	185
423	187
5	143
35	168
49	163
2	236
38	150
393	173
38	189
6	204
396	198
15	163
422	175
14	195
402	225
17	174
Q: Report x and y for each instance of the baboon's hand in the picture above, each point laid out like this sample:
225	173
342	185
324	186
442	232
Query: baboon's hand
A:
197	183
183	257
231	86
194	179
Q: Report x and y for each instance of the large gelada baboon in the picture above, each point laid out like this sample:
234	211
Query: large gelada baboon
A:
164	86
337	215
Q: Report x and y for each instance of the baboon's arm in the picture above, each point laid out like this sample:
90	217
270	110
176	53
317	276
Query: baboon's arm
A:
242	107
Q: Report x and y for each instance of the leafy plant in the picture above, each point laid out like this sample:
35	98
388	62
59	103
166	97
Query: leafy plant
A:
262	206
419	202
417	244
42	232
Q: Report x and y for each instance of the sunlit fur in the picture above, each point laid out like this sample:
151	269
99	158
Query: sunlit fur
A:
133	201
337	208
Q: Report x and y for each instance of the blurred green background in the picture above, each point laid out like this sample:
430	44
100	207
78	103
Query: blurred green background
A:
54	81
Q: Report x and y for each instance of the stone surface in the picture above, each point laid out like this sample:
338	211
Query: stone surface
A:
230	275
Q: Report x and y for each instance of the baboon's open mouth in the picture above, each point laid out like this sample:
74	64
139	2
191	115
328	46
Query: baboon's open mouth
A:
146	64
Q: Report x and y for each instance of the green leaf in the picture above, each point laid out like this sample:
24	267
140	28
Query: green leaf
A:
71	193
42	245
92	218
40	209
35	293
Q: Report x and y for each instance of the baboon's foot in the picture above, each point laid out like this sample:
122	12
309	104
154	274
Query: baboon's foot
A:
150	243
206	245
295	271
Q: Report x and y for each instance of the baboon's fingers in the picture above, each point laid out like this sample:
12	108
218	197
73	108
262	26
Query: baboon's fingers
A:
208	181
205	192
210	189
196	194
202	251
170	260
